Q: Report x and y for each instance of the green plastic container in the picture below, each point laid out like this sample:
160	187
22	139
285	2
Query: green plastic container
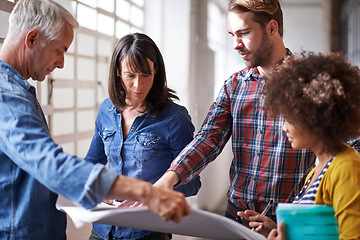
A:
305	222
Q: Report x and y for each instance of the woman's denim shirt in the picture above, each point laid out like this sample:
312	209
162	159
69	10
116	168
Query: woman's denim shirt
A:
146	153
33	168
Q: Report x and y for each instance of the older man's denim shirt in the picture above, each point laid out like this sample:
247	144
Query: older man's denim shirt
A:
33	168
146	153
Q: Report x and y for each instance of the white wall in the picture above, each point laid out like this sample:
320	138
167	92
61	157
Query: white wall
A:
167	23
306	25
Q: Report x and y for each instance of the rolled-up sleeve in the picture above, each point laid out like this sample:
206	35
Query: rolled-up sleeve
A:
97	186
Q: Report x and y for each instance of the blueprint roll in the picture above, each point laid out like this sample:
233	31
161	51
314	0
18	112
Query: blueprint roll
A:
308	222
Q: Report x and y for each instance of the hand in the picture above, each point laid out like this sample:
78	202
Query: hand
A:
167	181
277	234
169	204
261	224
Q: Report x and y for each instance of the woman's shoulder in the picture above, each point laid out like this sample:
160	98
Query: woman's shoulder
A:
174	114
174	108
347	159
106	105
347	154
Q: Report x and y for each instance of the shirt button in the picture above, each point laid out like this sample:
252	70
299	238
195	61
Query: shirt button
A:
261	131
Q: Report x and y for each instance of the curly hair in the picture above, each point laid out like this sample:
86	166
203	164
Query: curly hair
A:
136	48
320	93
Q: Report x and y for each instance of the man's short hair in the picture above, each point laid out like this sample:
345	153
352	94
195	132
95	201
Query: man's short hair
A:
47	16
264	11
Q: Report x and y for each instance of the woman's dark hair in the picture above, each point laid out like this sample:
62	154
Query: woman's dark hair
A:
319	92
136	49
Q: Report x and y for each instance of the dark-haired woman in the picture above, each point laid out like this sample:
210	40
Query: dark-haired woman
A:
139	130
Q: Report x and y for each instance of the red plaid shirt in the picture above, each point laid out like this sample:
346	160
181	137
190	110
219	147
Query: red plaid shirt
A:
264	167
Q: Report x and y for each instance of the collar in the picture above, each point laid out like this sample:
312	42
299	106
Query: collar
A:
5	67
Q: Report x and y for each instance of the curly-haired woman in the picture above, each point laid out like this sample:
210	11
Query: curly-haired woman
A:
319	97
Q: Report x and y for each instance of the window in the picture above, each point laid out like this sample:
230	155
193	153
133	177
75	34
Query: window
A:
218	41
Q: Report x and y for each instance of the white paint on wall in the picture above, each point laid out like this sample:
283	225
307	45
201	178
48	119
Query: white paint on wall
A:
306	25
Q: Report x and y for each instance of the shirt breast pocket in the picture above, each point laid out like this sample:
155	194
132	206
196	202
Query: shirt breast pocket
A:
144	146
107	136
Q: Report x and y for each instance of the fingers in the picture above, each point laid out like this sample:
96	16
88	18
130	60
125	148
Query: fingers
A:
277	234
247	214
261	224
127	203
108	201
281	231
140	204
257	226
173	217
254	217
170	205
259	218
178	212
273	234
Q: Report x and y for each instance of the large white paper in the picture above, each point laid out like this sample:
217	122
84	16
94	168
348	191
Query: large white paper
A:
198	224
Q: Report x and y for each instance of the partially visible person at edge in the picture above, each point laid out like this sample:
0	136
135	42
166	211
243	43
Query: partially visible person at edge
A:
139	129
320	104
264	166
33	169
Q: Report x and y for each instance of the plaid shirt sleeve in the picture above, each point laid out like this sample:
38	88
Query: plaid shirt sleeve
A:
209	141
